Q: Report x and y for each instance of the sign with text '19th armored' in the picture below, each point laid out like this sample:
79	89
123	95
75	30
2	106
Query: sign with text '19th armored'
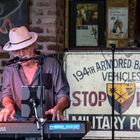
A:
90	78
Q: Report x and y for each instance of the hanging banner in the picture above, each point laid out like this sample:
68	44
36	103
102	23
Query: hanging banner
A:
90	77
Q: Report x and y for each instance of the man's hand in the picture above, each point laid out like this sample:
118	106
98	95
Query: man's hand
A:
57	111
6	114
8	111
56	114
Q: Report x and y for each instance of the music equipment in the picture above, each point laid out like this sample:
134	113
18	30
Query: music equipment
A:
52	129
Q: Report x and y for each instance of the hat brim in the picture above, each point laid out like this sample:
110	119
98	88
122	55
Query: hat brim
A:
9	47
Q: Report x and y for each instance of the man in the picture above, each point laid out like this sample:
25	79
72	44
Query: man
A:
22	44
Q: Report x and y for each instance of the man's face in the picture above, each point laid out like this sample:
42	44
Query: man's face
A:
25	53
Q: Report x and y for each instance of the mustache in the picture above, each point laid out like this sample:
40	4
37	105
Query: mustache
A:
22	57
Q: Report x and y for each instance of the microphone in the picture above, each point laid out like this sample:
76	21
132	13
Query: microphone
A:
18	59
14	60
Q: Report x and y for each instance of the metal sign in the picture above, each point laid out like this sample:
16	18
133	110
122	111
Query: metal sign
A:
90	77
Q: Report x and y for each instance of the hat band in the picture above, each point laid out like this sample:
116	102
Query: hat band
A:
20	42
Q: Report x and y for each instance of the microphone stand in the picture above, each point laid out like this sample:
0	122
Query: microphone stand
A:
39	120
113	90
42	120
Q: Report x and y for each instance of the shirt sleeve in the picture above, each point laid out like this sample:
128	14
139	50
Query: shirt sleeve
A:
6	90
61	85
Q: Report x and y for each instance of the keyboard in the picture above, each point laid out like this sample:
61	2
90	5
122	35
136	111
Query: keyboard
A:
52	129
